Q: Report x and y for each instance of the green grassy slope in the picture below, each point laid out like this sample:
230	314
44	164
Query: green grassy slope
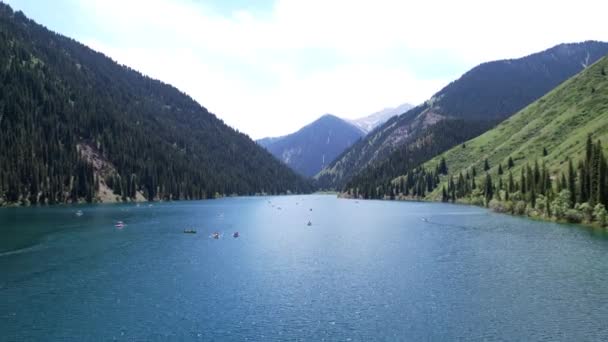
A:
484	96
560	122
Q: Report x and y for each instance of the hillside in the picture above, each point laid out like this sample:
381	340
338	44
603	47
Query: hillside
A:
77	126
547	161
559	123
481	98
312	147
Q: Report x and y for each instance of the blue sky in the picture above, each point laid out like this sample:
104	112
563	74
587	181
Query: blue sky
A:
268	67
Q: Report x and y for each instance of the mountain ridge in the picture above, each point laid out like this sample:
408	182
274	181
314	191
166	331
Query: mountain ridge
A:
369	122
536	133
547	161
483	96
311	147
58	94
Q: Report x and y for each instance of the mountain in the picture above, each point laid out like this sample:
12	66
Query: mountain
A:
467	107
78	126
547	161
312	147
368	123
551	132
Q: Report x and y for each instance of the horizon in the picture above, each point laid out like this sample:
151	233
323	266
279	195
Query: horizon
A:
284	72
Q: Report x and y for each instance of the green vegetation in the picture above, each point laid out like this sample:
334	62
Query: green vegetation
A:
73	121
555	160
576	195
307	150
559	123
481	98
430	142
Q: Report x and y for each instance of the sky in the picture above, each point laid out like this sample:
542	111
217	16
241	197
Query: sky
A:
269	67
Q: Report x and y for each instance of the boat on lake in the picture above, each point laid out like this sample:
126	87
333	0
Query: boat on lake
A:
189	231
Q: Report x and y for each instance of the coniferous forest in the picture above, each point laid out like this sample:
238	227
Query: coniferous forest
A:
577	195
430	142
75	124
485	95
547	161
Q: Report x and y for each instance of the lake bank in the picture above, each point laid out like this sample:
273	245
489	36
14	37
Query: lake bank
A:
501	207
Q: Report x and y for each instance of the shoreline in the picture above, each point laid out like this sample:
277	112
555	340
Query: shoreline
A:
586	225
5	205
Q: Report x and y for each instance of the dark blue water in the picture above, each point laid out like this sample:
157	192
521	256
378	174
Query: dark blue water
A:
363	271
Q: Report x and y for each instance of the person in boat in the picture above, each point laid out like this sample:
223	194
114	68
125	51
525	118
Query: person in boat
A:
215	235
309	223
235	235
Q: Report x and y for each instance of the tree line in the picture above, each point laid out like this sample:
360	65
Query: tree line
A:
579	194
56	94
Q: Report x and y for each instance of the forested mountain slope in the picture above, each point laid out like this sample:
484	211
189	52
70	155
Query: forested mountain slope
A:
482	97
315	145
76	125
550	132
548	160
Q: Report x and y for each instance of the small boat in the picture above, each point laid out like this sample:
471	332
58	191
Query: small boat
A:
79	213
119	225
236	235
309	223
189	231
215	235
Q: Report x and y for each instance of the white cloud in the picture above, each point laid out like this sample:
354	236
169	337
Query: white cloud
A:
258	71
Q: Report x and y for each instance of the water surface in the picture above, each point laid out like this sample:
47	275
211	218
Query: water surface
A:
364	270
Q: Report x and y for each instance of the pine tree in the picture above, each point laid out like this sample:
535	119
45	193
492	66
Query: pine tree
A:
486	165
500	172
583	193
563	184
571	182
488	189
511	187
510	163
594	174
443	168
522	181
536	176
603	181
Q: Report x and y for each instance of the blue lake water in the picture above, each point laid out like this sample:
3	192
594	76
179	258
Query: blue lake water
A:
364	270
